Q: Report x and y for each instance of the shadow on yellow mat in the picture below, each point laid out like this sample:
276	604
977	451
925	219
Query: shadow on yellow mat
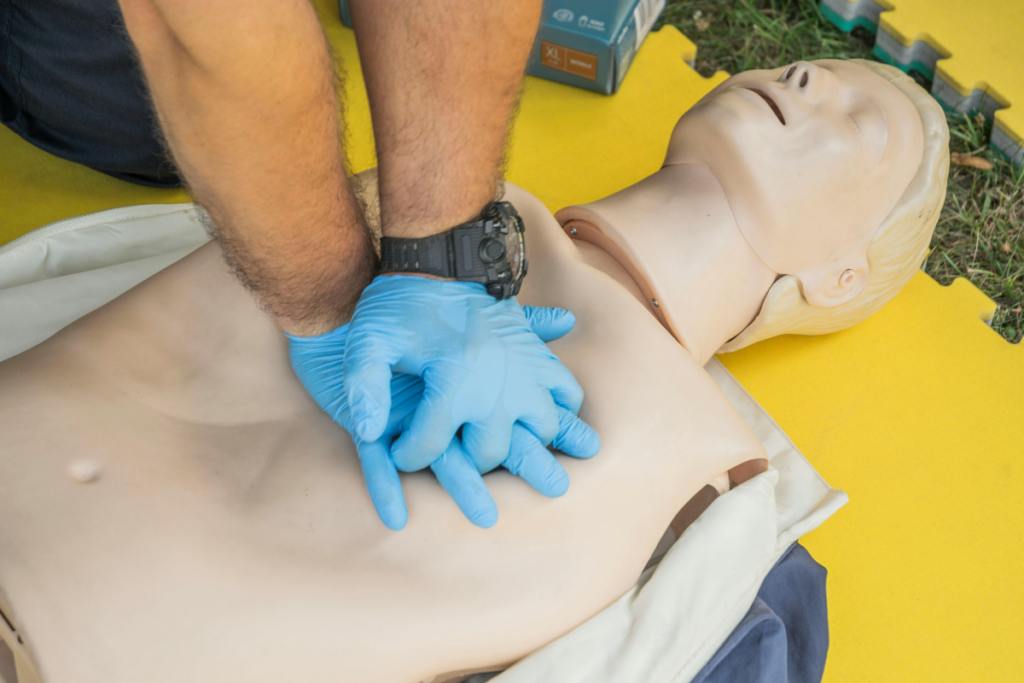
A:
918	413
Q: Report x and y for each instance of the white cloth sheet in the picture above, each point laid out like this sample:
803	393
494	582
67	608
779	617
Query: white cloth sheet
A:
663	630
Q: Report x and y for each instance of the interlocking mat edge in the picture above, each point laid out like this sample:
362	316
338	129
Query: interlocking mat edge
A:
972	52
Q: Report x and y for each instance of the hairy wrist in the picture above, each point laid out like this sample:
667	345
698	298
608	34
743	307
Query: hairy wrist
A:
309	288
414	211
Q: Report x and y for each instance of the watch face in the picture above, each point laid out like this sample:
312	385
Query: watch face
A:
515	247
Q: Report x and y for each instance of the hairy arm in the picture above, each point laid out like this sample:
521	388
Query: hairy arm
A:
245	94
442	77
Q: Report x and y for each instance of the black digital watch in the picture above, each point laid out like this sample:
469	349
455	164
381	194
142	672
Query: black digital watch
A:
490	250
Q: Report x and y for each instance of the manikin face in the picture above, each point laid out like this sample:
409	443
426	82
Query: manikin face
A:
812	157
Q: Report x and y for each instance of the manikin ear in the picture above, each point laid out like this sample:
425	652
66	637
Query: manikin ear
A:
835	285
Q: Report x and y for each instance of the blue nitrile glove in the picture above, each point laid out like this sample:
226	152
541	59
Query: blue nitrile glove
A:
528	459
483	367
317	362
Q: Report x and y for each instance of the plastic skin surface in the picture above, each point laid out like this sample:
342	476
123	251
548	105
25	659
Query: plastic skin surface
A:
230	535
798	186
830	132
231	523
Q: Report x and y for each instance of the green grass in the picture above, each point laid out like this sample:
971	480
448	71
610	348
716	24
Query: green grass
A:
980	234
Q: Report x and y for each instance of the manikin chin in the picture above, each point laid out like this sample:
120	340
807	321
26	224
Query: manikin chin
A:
231	537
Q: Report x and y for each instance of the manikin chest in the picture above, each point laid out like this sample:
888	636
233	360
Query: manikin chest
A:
229	535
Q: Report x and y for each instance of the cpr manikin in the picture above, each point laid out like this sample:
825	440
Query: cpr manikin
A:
229	536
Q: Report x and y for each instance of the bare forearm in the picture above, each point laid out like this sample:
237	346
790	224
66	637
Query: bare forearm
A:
442	77
246	99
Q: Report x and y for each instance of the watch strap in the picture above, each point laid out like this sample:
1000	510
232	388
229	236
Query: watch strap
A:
431	255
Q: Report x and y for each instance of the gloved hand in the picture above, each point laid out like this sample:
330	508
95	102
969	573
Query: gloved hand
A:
317	362
483	368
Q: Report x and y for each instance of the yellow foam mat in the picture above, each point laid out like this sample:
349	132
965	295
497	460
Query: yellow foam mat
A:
916	412
37	188
983	41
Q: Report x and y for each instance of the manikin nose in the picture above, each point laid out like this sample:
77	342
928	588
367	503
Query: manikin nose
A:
802	77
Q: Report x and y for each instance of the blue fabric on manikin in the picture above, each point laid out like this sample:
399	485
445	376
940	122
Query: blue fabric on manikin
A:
69	85
784	636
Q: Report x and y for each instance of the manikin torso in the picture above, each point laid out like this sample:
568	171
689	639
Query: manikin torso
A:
230	536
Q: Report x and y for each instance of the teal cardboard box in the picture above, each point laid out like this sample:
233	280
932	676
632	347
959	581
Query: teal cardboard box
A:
591	43
586	43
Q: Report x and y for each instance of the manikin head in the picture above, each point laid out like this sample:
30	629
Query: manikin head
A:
835	173
896	245
812	156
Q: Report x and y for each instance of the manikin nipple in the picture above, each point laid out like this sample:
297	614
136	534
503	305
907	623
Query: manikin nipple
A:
84	471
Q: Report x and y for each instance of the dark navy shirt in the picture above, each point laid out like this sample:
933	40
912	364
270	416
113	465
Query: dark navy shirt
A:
70	84
784	636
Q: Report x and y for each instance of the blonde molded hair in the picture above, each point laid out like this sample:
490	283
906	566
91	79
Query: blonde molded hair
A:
897	250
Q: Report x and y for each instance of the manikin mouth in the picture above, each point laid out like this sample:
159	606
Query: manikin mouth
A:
771	103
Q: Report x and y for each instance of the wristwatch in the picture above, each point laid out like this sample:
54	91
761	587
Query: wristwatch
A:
489	250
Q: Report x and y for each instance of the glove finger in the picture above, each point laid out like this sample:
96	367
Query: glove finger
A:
575	437
535	464
431	429
367	376
541	417
459	477
487	442
549	323
383	484
406	393
564	388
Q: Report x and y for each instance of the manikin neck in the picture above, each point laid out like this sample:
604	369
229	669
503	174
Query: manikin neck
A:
675	234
